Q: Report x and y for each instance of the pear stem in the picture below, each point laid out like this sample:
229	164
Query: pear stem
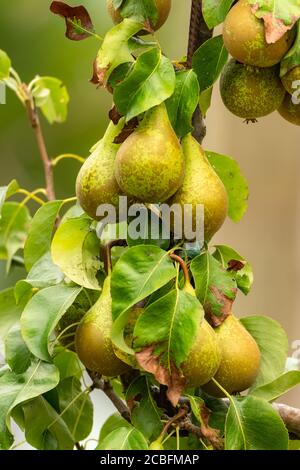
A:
183	266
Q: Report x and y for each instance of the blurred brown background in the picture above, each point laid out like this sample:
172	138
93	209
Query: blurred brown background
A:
268	152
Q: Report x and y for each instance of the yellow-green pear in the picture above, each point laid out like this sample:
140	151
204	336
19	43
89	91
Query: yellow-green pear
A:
291	80
93	343
150	164
204	359
290	111
96	183
163	9
244	38
240	359
201	186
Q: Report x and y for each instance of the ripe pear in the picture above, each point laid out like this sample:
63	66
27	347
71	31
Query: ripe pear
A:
163	9
67	326
93	343
251	92
96	183
204	359
291	80
244	38
240	358
149	165
290	111
201	185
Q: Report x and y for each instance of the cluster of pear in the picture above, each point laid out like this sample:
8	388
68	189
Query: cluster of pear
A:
250	85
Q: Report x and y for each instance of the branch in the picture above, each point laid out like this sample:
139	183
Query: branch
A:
199	33
100	384
36	125
290	416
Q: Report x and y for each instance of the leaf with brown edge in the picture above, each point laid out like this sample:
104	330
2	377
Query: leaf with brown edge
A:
127	130
173	379
202	413
236	265
279	16
78	21
216	287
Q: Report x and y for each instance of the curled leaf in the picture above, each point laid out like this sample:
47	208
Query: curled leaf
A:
78	21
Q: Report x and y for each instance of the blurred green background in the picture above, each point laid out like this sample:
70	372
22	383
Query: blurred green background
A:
268	152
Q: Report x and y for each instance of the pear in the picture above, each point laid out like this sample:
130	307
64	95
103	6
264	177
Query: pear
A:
240	359
291	80
201	185
96	183
251	92
204	359
93	343
290	111
244	38
149	165
163	9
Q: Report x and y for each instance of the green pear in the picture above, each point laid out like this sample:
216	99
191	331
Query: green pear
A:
240	359
244	38
96	183
150	164
93	343
290	111
204	359
201	185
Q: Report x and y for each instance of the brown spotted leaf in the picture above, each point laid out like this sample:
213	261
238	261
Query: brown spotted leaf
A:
173	378
78	21
216	287
202	415
279	16
164	335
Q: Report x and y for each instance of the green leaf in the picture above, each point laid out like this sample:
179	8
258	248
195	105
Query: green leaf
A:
215	286
205	100
41	315
141	11
5	65
75	249
208	61
182	104
68	364
292	58
196	404
171	324
138	273
76	408
10	312
215	11
18	388
145	415
150	82
273	390
40	235
9	190
253	424
45	429
234	182
113	423
115	49
14	226
17	355
44	273
244	276
273	344
124	438
52	97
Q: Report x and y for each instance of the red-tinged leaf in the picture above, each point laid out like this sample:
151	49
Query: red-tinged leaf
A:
224	304
173	379
236	265
279	16
78	21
